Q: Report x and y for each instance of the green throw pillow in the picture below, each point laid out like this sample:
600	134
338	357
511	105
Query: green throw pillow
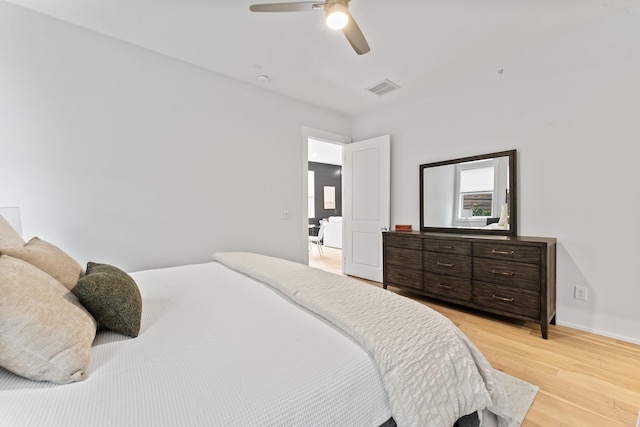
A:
112	297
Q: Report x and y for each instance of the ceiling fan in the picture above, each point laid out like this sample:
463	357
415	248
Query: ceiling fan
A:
338	18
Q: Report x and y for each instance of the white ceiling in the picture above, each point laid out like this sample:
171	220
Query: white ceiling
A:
422	45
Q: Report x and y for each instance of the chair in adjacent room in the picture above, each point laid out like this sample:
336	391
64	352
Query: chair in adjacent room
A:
316	240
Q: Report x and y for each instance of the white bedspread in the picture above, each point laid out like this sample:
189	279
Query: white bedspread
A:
432	373
216	348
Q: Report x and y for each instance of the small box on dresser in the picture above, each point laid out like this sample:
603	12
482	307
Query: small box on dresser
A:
509	276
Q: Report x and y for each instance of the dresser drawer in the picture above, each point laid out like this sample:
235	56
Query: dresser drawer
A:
520	253
507	299
402	276
402	241
403	257
447	247
517	275
451	265
447	286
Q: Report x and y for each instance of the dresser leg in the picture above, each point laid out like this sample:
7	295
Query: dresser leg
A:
544	328
553	320
384	286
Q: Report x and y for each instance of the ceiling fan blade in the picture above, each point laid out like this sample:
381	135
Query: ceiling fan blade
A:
286	7
355	37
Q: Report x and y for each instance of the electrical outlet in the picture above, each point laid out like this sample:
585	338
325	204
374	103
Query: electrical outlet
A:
580	293
284	214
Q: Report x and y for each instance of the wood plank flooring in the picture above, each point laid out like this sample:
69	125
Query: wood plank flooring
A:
585	379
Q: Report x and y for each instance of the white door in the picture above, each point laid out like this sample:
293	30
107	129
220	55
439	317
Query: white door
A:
366	208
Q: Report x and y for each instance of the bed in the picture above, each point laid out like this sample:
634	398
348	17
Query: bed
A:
248	339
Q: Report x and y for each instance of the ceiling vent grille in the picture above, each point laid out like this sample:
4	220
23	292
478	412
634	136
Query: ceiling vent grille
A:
383	87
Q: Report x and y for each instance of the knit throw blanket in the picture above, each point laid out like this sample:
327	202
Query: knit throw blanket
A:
431	372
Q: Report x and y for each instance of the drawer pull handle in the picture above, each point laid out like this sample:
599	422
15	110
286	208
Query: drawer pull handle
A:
445	286
502	252
402	276
442	264
502	298
447	247
503	273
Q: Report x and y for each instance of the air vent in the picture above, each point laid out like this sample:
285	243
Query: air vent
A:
383	87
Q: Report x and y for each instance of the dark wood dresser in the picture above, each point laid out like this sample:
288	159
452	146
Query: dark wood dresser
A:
510	276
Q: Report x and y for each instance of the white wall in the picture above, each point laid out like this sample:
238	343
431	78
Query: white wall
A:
571	110
121	155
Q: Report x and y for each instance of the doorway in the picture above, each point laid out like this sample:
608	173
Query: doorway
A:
324	204
366	179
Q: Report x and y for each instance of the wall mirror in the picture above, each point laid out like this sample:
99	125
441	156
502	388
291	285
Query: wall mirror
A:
475	195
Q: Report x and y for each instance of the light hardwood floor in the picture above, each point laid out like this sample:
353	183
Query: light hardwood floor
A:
585	379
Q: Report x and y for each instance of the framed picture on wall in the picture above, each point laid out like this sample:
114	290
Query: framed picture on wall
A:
329	196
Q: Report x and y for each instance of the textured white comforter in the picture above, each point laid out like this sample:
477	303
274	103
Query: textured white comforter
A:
217	348
432	373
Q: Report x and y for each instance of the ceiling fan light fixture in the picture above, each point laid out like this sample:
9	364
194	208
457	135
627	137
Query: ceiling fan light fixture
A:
336	13
337	16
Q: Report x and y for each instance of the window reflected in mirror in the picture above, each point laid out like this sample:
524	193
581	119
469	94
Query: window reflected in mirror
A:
472	194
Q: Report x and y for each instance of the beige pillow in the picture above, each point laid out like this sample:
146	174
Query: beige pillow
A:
9	237
50	259
45	333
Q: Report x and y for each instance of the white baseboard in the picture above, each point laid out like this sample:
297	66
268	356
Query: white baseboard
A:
599	332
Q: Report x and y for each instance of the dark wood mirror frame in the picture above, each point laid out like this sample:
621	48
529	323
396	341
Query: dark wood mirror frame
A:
512	196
